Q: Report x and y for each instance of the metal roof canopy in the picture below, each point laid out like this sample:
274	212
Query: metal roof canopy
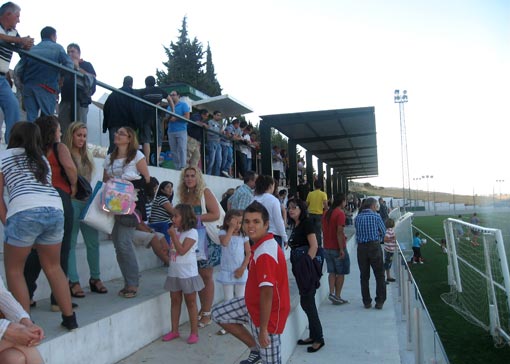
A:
344	139
224	103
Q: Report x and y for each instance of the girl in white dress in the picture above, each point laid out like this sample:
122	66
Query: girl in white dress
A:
235	256
183	278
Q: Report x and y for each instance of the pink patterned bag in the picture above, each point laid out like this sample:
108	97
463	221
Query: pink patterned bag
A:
119	197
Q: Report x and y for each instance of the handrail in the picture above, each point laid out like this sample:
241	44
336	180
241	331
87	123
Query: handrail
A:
23	52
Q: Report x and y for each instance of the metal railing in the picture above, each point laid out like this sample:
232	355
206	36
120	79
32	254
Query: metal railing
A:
421	335
156	108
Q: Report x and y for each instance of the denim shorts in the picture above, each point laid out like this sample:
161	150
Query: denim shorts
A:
40	225
388	259
335	265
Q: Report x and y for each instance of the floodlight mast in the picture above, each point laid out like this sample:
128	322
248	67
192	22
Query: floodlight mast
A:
406	180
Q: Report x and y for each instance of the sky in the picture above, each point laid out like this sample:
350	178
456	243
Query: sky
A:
452	56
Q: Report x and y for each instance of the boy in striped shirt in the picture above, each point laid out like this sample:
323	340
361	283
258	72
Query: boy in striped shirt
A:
390	243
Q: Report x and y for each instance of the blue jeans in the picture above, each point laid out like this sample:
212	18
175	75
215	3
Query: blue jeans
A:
178	145
36	98
226	156
10	106
214	158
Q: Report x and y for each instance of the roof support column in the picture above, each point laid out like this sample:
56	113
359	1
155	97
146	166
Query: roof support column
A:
265	150
346	186
341	181
329	190
292	177
334	181
320	173
309	170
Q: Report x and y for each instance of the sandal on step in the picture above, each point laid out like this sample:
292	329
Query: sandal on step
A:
305	342
76	290
128	293
97	286
207	315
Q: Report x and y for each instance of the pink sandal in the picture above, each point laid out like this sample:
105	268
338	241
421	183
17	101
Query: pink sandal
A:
192	339
171	336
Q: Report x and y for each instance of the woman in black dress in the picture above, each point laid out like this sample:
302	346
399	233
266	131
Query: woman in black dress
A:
307	260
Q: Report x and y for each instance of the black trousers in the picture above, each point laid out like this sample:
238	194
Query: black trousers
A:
32	264
307	300
370	256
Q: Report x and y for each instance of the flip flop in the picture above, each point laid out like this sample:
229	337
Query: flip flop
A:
128	293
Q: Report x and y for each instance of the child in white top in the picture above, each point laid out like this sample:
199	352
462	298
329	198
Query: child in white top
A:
183	277
390	244
235	256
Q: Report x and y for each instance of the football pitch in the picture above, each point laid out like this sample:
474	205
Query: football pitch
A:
464	342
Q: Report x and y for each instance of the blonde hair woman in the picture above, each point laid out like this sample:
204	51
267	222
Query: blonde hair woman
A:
191	190
76	140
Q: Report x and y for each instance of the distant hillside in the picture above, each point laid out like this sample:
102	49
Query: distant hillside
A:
396	192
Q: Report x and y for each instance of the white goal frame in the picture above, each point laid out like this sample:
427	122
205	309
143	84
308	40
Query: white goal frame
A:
499	327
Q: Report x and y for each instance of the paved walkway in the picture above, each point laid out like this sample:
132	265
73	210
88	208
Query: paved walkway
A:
352	333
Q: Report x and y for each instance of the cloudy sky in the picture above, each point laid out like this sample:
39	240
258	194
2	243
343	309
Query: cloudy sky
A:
453	57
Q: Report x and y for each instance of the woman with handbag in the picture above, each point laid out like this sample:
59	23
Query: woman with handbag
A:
192	191
128	163
75	139
307	260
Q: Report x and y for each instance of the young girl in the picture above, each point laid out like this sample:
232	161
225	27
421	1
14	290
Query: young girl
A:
235	256
417	242
162	209
390	243
183	277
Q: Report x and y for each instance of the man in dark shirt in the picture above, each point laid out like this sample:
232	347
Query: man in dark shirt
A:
154	95
196	137
85	89
119	110
383	209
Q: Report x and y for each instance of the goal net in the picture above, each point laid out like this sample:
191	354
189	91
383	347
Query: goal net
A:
478	277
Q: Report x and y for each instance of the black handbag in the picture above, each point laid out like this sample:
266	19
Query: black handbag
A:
83	189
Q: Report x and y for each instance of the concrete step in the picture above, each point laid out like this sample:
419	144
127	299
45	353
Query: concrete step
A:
113	328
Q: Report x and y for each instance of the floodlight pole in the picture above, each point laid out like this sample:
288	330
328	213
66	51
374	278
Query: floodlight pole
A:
406	181
499	182
417	186
427	177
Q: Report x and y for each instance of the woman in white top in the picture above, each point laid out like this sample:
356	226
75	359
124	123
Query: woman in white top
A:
264	187
126	162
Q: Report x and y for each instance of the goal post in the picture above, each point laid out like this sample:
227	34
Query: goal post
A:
479	278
